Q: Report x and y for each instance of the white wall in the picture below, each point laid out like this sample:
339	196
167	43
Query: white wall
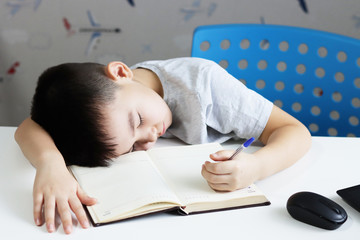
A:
36	34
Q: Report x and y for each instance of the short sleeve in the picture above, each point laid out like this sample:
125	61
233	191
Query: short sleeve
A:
233	108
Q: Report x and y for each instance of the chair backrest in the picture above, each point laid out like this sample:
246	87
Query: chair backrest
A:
313	75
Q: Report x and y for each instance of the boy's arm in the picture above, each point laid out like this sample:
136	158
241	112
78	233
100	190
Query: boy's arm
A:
54	186
286	141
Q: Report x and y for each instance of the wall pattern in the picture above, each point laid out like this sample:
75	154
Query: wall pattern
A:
37	34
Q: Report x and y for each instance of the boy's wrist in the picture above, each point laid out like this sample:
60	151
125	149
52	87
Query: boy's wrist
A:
50	158
258	168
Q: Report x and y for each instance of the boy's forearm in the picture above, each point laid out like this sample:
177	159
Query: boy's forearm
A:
37	145
283	148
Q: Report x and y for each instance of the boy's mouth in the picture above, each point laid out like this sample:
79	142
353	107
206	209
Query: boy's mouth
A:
164	129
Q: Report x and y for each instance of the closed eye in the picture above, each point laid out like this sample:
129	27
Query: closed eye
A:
141	120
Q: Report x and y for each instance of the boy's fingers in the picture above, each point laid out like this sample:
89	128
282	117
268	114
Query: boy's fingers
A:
65	215
219	167
49	209
78	209
222	155
37	208
222	187
215	178
84	198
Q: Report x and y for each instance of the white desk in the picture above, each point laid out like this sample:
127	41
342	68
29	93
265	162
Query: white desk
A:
331	164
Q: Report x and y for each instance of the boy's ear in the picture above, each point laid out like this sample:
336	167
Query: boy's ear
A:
118	70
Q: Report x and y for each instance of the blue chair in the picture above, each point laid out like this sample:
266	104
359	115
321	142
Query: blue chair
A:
312	75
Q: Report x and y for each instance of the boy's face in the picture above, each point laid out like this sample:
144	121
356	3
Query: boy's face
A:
137	117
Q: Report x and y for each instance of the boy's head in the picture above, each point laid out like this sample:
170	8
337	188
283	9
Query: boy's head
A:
67	104
95	112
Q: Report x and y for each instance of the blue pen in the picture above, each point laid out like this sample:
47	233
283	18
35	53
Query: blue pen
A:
242	147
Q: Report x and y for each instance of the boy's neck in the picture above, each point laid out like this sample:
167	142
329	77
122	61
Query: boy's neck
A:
149	79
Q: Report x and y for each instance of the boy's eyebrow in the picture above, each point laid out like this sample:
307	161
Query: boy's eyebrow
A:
131	123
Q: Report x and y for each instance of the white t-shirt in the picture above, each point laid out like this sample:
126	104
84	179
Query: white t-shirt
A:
208	104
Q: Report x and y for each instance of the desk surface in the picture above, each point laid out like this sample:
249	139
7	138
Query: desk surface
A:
331	164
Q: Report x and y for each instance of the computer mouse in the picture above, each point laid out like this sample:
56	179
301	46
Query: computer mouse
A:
316	210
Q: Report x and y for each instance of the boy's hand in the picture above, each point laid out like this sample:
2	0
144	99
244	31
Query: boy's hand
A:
55	188
230	175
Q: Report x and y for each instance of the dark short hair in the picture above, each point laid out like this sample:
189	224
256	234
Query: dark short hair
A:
68	103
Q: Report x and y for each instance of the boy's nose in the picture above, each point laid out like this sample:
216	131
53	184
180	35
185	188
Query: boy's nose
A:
152	134
148	140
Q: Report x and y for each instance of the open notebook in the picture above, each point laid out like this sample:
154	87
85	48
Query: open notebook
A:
159	179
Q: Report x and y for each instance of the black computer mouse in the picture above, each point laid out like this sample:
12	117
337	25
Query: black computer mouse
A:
316	210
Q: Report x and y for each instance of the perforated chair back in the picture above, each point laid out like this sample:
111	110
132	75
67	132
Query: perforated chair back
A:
313	75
